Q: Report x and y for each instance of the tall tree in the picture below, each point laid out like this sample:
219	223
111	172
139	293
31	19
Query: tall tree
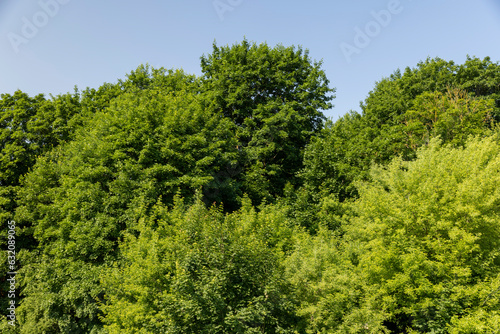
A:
402	112
274	96
78	199
29	127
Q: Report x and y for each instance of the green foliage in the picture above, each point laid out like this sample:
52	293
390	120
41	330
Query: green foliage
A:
419	252
332	161
79	198
29	127
142	206
457	89
194	270
168	81
274	96
431	234
402	113
452	116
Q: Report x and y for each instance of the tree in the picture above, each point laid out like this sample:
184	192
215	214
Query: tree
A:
453	116
80	197
196	270
333	160
402	112
29	127
419	251
224	204
274	96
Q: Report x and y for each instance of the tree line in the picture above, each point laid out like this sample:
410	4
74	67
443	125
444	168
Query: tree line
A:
228	203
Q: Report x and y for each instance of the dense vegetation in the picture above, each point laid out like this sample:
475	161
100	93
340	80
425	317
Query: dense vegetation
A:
228	203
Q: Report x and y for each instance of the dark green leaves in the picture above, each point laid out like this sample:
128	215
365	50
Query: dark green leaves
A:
274	97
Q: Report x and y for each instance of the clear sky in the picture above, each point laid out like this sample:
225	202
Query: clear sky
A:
49	46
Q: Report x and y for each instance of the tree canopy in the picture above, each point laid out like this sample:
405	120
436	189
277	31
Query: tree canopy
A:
402	113
227	203
419	252
274	97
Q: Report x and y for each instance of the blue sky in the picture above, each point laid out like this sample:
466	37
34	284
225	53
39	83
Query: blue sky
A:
49	46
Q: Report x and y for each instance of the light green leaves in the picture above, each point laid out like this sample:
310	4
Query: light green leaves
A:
202	272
